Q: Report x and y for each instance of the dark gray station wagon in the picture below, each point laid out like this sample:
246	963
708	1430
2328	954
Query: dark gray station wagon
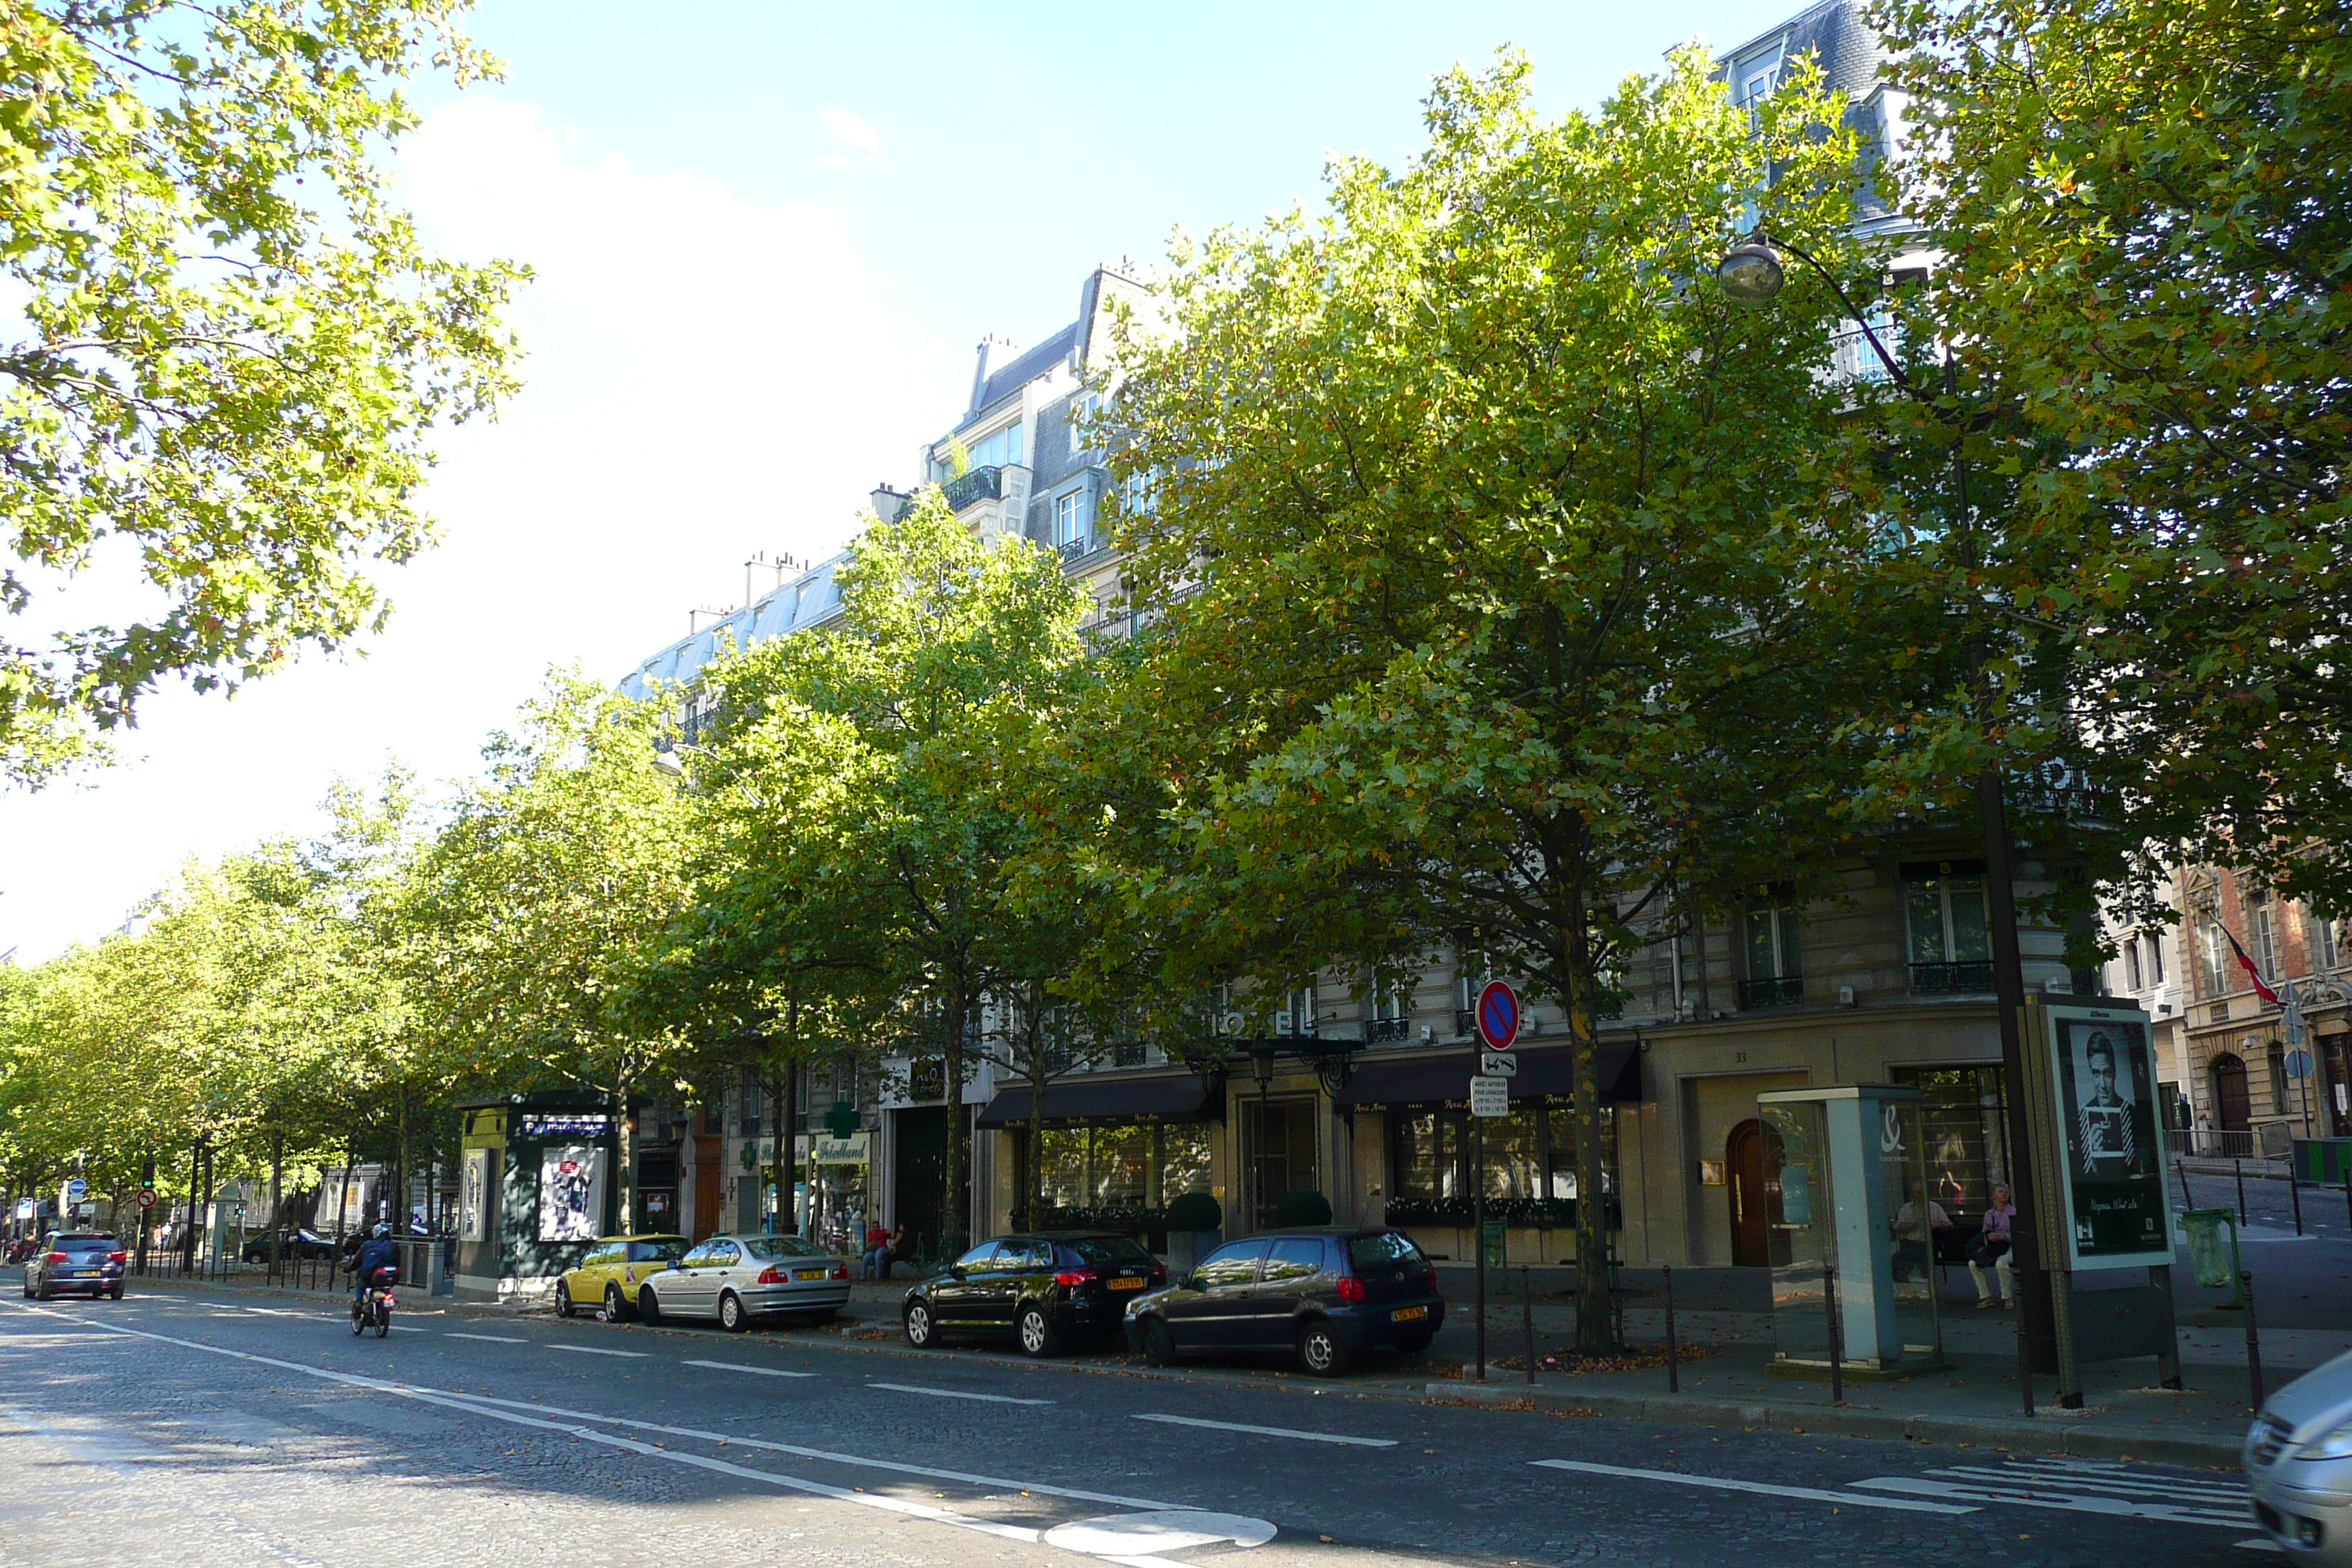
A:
1322	1295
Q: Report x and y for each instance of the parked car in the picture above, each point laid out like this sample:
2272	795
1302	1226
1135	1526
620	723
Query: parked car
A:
1321	1294
294	1244
2298	1460
611	1272
738	1280
72	1262
1040	1291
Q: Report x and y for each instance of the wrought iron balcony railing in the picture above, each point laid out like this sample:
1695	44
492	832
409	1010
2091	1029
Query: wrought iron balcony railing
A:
1387	1028
981	484
1777	991
1970	974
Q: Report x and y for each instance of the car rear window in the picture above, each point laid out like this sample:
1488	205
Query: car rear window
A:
1379	1251
768	1248
86	1244
1108	1251
655	1252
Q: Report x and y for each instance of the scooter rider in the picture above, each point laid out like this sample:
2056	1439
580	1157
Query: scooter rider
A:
376	1252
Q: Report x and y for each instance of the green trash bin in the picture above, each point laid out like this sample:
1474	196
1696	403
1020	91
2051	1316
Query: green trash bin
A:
2212	1257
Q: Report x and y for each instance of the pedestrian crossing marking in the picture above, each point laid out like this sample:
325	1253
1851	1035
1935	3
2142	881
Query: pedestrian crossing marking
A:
2080	1487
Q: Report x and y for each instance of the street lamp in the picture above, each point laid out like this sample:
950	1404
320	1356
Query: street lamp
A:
1751	274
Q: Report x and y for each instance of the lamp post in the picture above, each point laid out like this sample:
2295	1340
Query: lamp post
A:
1261	1055
1753	274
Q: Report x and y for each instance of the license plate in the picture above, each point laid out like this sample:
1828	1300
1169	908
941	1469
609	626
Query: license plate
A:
1128	1284
808	1273
1407	1314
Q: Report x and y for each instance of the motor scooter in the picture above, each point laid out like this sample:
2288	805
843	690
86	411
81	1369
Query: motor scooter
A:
372	1309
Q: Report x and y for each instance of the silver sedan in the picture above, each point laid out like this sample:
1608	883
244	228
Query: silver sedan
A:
2299	1466
738	1279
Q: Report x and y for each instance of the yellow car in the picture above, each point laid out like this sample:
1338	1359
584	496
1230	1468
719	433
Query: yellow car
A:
612	1271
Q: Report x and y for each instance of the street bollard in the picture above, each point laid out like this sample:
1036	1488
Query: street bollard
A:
2240	1167
1674	1358
2253	1345
1528	1316
1837	1338
2024	1365
2294	1195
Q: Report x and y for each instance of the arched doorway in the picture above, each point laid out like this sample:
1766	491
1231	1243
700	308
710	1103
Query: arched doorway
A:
1743	1160
2232	1106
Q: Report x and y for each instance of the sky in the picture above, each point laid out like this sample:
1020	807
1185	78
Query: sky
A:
767	237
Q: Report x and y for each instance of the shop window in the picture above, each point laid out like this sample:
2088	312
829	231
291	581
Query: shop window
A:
1062	1164
1530	1163
1960	1116
1185	1151
1119	1166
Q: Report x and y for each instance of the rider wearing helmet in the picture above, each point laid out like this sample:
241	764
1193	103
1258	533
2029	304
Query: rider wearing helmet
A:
376	1252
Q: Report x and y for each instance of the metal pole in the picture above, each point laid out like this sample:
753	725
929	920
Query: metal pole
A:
1528	1316
1478	1229
1837	1337
2348	1199
1674	1358
2180	1168
2295	1197
2025	1361
2239	1166
2253	1345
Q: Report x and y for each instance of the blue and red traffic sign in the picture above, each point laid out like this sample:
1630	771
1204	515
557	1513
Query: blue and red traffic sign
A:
1498	1016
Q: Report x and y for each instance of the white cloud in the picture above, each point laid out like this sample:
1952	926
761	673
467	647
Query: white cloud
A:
707	377
861	144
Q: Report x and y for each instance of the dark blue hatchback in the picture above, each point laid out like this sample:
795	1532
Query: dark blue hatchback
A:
1321	1294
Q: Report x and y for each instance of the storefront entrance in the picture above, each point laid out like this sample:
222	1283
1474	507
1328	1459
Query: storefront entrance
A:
917	1173
1277	1154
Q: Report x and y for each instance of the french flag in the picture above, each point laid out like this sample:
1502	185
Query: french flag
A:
2261	986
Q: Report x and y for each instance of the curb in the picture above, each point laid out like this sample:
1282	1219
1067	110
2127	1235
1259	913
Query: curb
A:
2054	1435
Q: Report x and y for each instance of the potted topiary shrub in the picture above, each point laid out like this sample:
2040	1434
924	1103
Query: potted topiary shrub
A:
1195	1224
1302	1206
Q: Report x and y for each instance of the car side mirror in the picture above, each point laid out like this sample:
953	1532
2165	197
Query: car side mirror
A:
1196	1280
955	1270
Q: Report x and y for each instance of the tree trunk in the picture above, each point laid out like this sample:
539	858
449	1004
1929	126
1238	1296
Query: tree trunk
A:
1595	1322
276	1198
400	1168
624	1155
788	1152
343	1187
955	1213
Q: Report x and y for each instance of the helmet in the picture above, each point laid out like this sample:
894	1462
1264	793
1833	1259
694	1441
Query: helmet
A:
381	1232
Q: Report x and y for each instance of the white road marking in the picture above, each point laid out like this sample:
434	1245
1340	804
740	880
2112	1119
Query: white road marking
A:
1273	1431
489	1405
409	1328
2261	1543
596	1350
755	1371
485	1339
1724	1483
955	1394
2081	1487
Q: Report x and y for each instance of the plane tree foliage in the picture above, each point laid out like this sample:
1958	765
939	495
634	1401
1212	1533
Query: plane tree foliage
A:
226	348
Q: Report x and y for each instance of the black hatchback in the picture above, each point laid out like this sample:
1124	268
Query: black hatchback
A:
1322	1295
67	1263
1041	1291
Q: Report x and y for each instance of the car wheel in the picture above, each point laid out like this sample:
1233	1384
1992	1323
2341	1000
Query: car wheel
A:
45	1293
731	1315
1320	1351
116	1293
1159	1345
648	1306
1411	1344
1037	1331
564	1306
615	1307
920	1330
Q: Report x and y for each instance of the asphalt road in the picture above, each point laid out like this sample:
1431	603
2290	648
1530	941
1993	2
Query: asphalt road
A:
195	1428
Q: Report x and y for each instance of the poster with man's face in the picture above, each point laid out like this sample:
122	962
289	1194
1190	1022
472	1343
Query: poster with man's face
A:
474	1197
2110	1157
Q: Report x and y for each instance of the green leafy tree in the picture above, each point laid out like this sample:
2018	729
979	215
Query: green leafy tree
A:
231	348
534	912
874	773
1508	562
2145	212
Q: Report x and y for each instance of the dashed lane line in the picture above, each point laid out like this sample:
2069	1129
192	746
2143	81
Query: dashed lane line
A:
485	1339
954	1394
754	1371
1726	1483
593	1350
489	1405
1273	1431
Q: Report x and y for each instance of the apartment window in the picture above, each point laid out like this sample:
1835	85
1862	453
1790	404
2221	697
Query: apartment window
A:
1389	1012
2213	954
2131	964
1070	520
1772	949
1083	409
1756	84
2261	935
996	448
1471	973
2156	957
1944	920
1138	494
2326	948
